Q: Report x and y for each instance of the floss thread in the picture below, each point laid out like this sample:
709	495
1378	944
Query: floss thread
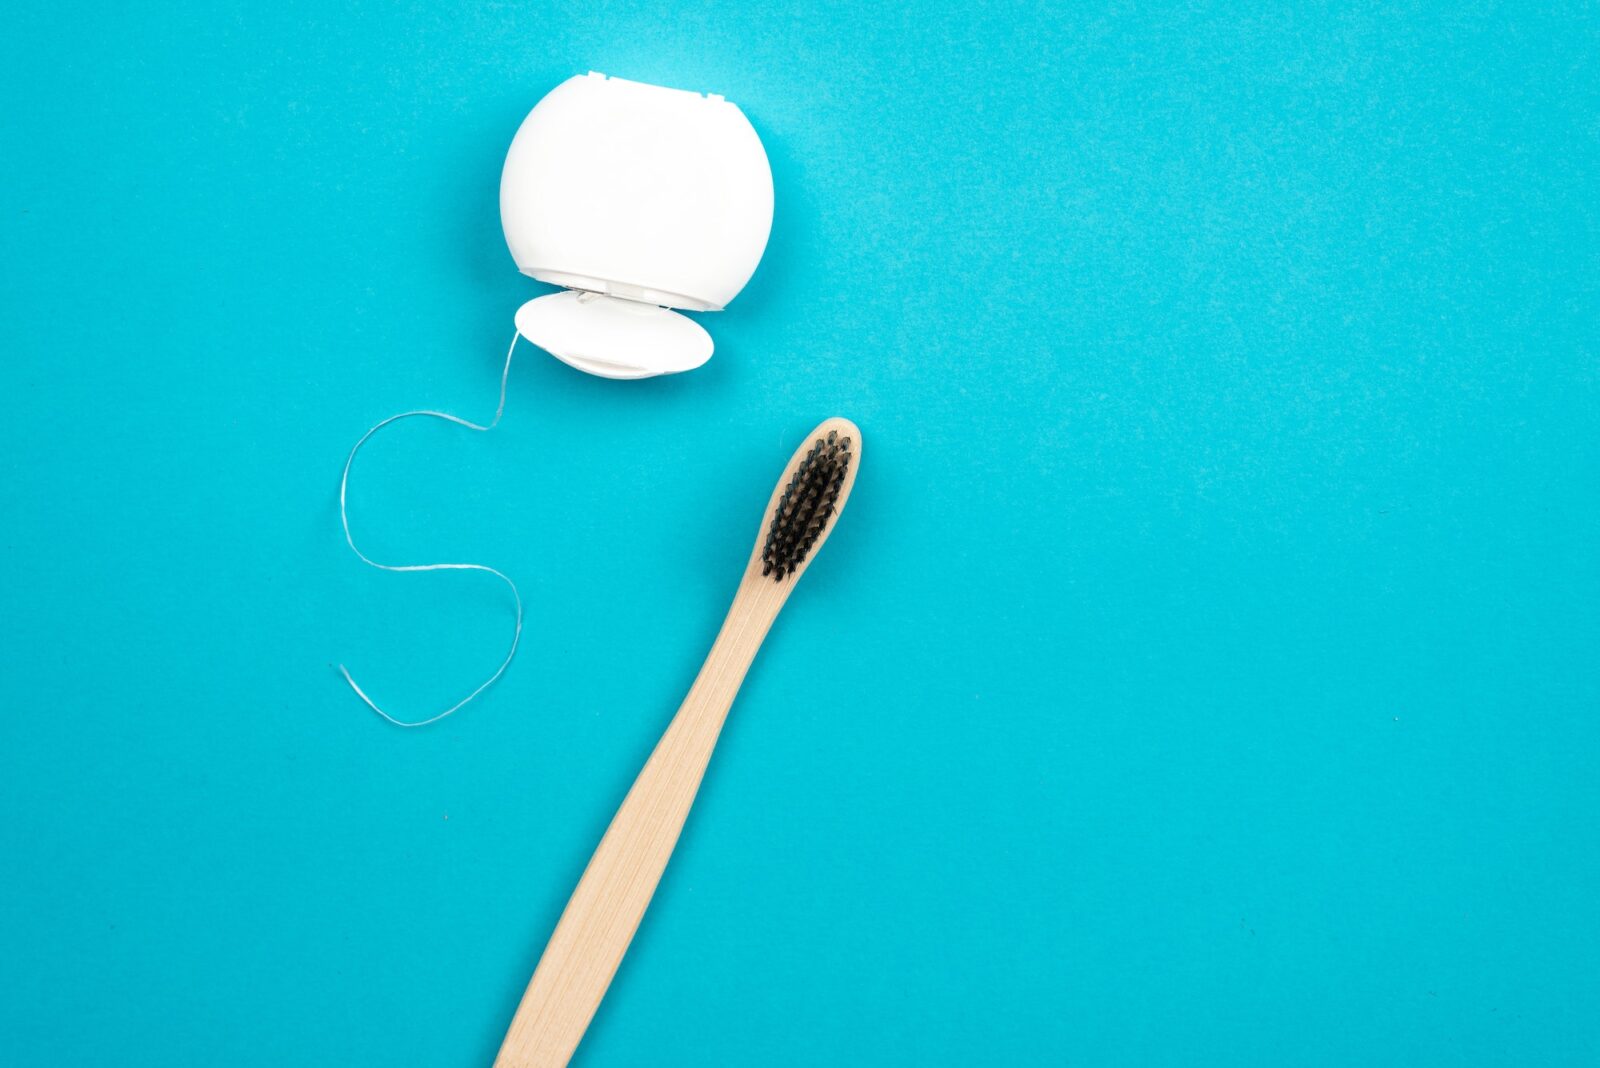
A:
344	519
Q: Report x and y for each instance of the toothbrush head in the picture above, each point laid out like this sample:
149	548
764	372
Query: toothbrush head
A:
819	479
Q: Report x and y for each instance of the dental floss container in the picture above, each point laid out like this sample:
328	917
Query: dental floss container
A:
638	201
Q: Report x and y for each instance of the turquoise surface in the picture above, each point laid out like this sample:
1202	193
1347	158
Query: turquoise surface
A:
1204	672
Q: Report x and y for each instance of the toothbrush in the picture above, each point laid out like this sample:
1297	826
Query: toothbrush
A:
604	911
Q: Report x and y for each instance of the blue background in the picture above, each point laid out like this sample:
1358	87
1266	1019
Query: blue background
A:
1205	669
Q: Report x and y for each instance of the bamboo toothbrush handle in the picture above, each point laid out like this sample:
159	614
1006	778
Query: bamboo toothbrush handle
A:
604	911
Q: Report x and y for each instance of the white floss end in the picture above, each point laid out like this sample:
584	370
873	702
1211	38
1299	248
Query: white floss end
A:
637	200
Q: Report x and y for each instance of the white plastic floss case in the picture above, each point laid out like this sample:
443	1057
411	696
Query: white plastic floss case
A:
637	200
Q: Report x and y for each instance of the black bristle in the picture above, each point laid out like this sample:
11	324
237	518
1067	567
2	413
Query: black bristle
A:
805	506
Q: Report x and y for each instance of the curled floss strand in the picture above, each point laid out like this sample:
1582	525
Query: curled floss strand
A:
344	518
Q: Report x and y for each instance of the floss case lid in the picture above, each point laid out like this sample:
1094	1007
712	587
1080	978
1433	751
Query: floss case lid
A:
613	338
